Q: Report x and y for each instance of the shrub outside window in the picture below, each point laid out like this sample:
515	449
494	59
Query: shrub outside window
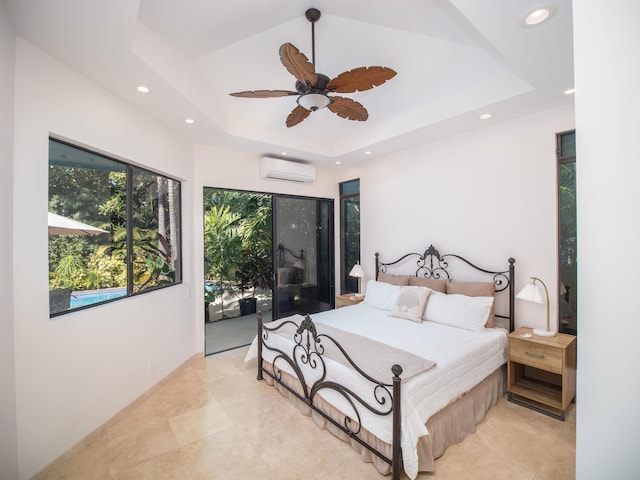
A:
126	235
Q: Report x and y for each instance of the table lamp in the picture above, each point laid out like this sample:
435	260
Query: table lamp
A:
357	272
532	293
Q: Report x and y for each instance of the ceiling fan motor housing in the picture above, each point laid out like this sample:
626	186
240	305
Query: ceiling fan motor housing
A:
320	87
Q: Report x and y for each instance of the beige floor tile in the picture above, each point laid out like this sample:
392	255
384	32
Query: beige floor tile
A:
91	463
167	466
198	423
128	450
141	420
214	420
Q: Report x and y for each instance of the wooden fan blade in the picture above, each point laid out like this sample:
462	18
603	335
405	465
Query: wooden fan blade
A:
360	79
347	108
297	115
264	93
298	64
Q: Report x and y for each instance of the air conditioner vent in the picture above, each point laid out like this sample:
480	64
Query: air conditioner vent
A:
279	169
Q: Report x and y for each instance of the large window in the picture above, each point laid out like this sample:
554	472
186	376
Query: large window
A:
114	229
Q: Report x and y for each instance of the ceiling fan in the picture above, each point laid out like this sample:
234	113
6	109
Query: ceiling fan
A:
314	89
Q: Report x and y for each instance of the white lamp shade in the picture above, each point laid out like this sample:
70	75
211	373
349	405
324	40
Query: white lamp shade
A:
313	101
356	271
532	293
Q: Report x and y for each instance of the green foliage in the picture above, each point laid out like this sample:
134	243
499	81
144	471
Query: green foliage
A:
255	230
567	217
222	242
68	272
237	240
88	273
104	271
93	262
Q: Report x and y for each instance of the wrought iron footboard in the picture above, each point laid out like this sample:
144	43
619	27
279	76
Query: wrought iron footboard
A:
309	350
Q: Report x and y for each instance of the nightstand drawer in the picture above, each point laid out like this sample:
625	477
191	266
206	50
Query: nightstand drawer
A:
538	356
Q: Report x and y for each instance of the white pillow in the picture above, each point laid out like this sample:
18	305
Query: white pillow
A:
411	303
470	313
381	295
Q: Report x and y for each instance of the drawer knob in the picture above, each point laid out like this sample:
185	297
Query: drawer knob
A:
534	355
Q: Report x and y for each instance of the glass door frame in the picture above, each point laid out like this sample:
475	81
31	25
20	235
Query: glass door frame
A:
318	293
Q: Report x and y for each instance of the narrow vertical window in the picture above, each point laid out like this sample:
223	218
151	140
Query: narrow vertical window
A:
567	233
349	233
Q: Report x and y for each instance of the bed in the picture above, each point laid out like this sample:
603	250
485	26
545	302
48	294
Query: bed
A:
439	361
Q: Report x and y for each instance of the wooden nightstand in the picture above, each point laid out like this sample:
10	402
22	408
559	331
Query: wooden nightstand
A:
542	371
347	299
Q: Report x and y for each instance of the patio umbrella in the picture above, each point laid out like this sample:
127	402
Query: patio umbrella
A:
59	225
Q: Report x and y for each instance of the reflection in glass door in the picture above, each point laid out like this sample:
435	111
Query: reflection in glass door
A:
303	255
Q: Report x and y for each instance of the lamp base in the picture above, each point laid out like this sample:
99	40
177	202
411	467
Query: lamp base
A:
543	333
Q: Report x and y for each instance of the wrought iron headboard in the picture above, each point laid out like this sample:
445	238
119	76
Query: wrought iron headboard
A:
431	264
284	251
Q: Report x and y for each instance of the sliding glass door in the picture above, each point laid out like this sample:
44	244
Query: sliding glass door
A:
303	255
267	253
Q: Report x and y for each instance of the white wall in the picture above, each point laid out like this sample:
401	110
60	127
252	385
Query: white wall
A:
607	73
8	434
76	371
486	195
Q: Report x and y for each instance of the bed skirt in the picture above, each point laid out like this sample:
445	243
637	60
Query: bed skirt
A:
449	426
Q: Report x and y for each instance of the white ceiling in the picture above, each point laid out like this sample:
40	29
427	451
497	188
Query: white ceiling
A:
455	60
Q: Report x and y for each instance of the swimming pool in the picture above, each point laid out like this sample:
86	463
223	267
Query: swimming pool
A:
89	297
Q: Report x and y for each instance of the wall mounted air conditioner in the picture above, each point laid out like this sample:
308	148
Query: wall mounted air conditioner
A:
286	170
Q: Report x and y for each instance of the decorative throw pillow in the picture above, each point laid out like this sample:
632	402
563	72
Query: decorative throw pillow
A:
411	303
393	279
475	289
381	295
460	311
432	283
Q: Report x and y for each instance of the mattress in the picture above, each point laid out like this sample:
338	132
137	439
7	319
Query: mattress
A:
462	360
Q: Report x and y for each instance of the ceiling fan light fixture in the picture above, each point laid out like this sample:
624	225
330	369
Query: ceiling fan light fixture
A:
313	101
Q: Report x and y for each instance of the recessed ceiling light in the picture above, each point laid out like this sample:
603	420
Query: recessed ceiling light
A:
284	153
570	91
538	16
486	116
190	121
338	162
143	89
368	152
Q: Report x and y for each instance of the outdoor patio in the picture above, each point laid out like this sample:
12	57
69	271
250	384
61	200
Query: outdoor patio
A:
232	332
228	329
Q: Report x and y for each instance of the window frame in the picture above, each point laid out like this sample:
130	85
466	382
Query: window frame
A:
346	282
564	158
129	171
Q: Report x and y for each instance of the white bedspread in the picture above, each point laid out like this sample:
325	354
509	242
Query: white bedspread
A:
463	359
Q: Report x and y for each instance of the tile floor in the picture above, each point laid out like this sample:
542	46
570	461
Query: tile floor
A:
213	420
